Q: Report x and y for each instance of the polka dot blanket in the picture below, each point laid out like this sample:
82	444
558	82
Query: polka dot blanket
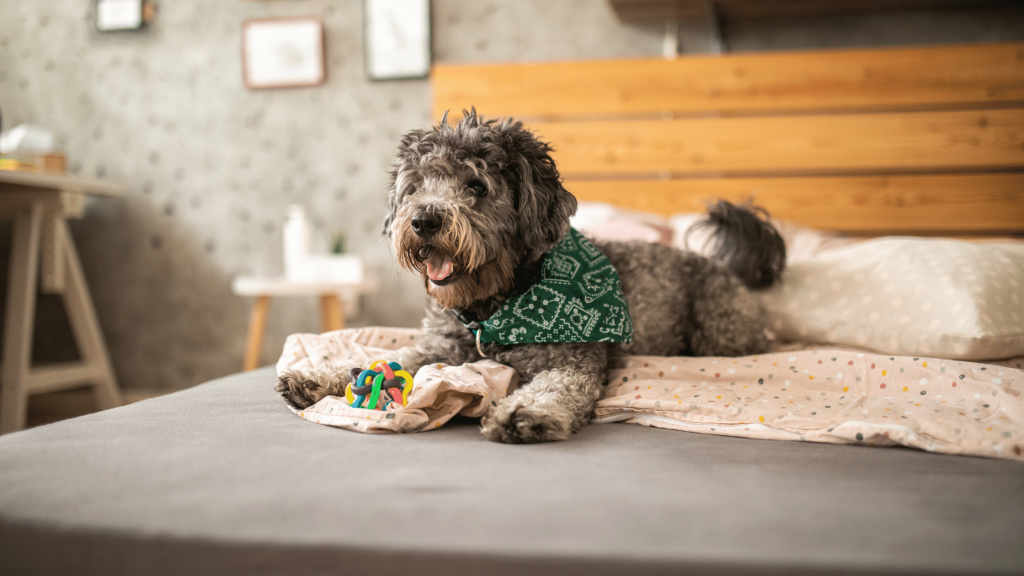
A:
818	395
439	391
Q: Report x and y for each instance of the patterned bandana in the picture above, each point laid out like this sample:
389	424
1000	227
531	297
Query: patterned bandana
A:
577	299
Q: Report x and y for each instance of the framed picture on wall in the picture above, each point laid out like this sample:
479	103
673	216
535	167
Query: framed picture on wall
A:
283	52
120	15
397	35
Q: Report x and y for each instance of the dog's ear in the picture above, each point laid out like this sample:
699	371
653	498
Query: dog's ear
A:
392	207
405	176
542	204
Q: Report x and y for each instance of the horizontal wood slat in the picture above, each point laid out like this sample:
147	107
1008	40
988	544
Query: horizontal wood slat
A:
658	11
971	203
853	144
62	376
916	78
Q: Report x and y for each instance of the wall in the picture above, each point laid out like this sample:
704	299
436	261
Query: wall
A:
210	166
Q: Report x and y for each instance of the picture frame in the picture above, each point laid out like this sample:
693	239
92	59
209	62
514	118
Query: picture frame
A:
283	52
397	41
123	15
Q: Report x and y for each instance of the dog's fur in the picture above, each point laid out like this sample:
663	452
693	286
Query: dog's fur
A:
478	206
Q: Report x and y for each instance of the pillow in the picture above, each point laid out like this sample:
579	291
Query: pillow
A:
907	296
608	222
801	243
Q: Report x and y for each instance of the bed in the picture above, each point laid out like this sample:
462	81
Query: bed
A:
224	478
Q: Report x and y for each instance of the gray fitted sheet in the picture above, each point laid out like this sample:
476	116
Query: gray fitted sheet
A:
223	479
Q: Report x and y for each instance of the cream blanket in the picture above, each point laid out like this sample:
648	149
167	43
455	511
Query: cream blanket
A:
820	395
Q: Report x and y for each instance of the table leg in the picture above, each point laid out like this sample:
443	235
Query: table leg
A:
257	323
53	268
331	317
85	325
20	316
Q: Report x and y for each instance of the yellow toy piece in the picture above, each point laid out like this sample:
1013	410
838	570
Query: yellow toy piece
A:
408	385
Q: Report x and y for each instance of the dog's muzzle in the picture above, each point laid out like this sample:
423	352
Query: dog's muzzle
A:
439	266
426	224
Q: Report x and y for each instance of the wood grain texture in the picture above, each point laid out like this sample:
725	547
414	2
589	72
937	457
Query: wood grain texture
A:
751	9
53	272
969	203
915	78
842	143
331	316
9	179
919	140
19	317
254	340
655	11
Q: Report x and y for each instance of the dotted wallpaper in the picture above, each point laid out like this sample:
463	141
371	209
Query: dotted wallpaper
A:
210	165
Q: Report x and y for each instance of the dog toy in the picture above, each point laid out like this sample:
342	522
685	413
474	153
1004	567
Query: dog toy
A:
381	384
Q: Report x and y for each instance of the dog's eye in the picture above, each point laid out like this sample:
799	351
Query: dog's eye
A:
477	187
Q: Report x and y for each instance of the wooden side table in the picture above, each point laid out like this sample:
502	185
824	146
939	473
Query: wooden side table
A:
43	256
331	305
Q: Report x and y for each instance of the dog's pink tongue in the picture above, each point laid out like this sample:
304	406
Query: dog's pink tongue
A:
438	274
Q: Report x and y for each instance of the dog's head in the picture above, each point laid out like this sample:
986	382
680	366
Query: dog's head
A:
470	204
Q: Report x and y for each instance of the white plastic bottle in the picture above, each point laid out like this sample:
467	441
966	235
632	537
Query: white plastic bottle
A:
296	242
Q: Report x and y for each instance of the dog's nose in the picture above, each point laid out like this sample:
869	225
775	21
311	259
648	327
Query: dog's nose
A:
426	224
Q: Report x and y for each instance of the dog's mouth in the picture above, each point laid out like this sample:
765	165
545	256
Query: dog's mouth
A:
440	268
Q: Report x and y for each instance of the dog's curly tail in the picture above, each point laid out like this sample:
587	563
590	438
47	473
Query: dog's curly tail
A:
744	239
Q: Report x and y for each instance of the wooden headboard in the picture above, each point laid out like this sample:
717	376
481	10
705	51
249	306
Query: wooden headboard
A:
922	140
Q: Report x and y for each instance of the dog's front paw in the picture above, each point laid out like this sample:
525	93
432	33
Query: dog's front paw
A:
515	421
302	390
296	389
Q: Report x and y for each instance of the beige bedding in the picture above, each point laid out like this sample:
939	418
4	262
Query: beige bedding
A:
818	395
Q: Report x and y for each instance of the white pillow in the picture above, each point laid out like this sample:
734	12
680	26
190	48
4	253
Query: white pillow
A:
908	296
608	222
801	243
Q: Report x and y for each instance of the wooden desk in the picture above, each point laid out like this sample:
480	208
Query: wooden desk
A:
43	256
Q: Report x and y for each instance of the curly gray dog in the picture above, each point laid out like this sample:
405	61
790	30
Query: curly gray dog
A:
476	209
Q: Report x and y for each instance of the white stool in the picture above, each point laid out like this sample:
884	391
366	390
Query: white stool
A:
332	315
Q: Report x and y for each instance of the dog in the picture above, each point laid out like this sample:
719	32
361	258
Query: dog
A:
479	211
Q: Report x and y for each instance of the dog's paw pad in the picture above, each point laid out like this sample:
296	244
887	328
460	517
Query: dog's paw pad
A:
526	425
296	390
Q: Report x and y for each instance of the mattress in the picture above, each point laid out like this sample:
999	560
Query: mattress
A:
224	479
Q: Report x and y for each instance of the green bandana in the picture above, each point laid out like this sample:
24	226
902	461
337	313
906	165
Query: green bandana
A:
577	299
